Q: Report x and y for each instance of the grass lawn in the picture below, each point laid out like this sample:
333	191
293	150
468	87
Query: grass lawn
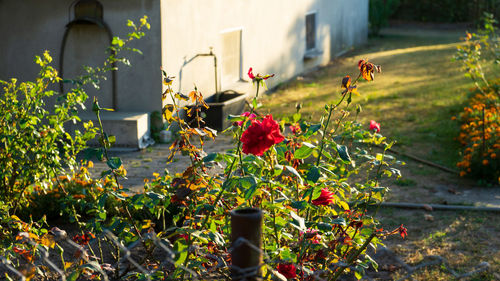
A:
419	90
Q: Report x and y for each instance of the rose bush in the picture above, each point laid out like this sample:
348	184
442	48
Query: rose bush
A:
318	216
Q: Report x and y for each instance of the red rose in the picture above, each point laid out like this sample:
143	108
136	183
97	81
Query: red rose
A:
258	77
295	129
325	199
312	235
250	116
403	231
374	126
287	269
250	74
261	135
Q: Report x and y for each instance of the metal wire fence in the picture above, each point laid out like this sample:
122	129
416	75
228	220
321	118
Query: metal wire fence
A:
133	261
69	260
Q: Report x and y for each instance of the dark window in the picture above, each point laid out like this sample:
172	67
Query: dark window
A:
310	31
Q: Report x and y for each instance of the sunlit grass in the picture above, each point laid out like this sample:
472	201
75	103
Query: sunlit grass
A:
419	90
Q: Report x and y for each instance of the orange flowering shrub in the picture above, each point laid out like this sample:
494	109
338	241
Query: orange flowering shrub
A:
79	190
480	134
480	130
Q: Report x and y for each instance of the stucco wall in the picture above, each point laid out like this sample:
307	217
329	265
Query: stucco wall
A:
273	36
273	41
29	27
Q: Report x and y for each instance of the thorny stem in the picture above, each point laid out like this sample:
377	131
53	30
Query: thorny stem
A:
331	108
238	149
223	188
484	130
187	257
186	139
100	248
106	143
352	257
325	130
380	166
274	221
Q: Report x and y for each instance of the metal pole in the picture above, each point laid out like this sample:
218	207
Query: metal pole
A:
246	237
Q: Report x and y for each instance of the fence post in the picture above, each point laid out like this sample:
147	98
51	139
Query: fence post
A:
246	228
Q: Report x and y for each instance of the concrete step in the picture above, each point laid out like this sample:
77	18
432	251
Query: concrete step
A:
130	128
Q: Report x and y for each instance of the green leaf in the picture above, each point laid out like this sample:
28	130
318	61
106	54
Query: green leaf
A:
235	118
312	130
130	23
102	215
74	276
217	238
254	103
343	153
100	154
296	117
117	41
278	169
114	162
313	175
340	221
210	157
112	140
288	255
304	151
249	193
155	196
182	252
209	208
299	205
324	226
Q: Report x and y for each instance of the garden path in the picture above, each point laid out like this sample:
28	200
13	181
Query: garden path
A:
141	164
420	183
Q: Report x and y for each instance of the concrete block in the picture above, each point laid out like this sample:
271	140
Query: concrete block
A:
130	128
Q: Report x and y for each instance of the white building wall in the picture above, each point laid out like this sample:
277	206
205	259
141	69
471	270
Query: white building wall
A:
273	40
273	37
29	27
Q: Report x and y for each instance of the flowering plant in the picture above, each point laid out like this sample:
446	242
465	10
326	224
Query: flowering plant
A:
480	125
318	218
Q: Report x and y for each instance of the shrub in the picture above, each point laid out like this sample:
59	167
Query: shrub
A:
480	134
379	13
316	187
445	10
34	146
480	130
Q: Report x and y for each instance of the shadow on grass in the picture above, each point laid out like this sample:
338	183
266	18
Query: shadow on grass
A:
414	98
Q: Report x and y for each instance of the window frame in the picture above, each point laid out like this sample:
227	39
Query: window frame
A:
315	30
240	70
